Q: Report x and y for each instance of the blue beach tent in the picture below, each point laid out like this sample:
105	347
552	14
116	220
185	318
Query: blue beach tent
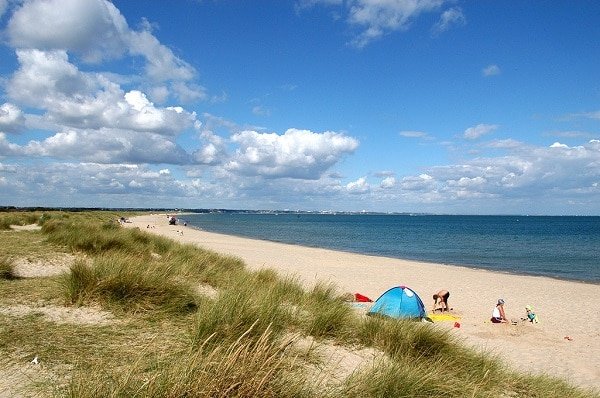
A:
399	302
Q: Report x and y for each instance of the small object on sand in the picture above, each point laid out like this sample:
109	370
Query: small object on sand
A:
361	298
35	361
457	325
569	338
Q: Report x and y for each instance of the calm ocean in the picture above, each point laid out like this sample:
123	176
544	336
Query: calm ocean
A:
559	247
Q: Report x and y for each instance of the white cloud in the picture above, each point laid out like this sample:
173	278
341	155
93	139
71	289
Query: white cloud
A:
552	172
559	145
295	154
359	186
213	151
376	18
491	70
94	29
7	148
413	134
423	182
504	144
381	17
388	182
107	146
451	17
301	4
11	118
93	119
260	110
478	131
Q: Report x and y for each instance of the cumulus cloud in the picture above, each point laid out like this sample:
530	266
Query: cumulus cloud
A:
213	151
71	183
359	186
388	182
107	146
295	154
11	118
92	117
491	70
525	172
472	133
95	31
449	18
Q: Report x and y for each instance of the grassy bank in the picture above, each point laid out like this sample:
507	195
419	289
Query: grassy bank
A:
176	320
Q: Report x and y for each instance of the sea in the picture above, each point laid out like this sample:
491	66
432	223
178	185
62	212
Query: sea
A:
561	247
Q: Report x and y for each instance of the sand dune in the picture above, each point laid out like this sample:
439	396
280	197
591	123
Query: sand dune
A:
566	343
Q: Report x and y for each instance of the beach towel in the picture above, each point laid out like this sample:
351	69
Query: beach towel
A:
443	317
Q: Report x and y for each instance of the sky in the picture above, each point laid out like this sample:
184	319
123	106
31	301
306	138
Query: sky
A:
433	106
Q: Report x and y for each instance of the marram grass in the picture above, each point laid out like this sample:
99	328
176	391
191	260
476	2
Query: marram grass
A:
132	283
7	268
241	368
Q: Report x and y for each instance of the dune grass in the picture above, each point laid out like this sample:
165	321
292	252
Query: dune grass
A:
19	218
235	343
132	283
7	268
240	368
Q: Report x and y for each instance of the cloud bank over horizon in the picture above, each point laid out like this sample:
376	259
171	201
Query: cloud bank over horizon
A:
97	113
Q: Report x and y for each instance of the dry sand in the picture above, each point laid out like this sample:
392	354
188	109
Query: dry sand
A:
566	343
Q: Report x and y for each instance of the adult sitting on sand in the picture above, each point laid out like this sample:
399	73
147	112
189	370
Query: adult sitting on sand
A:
498	315
440	301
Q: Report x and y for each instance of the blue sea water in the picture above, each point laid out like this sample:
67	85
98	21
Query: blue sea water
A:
558	247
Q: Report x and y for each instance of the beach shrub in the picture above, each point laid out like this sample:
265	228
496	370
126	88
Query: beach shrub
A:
204	265
399	337
18	218
245	305
130	282
402	377
7	269
328	314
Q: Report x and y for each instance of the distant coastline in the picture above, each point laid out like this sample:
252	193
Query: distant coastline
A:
8	208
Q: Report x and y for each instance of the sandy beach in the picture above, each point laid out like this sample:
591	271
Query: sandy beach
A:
566	342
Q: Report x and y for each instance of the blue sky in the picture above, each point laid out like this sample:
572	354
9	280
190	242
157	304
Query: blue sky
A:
444	106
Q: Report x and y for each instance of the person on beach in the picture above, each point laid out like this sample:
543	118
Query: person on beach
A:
440	301
498	315
531	316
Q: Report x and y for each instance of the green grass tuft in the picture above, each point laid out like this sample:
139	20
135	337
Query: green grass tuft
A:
131	283
7	269
240	368
244	306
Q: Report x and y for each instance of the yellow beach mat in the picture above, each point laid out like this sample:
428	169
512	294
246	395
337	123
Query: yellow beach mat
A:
443	317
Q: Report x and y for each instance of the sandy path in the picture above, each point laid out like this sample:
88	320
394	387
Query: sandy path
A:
566	309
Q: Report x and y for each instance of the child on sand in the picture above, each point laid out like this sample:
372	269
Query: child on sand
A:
531	315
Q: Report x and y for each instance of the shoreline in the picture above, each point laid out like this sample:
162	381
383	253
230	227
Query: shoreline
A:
566	343
492	264
468	266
